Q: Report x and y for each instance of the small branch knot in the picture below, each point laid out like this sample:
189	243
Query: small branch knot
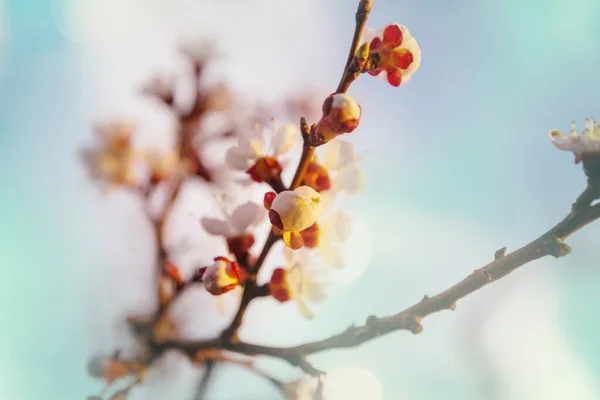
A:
413	324
555	247
500	253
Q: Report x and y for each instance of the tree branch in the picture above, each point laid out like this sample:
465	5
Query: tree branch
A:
205	380
548	244
362	14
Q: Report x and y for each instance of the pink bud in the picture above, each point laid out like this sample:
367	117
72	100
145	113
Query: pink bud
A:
341	114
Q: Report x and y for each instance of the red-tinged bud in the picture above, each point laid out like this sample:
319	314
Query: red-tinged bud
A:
240	244
278	286
396	54
316	177
311	236
264	169
222	276
341	114
275	219
268	200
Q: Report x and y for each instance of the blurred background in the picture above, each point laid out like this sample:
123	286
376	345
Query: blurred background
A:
458	162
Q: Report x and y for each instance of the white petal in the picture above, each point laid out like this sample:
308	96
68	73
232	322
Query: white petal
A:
327	199
246	215
286	138
289	256
216	226
566	142
339	154
368	34
313	291
245	181
304	310
337	227
238	158
351	179
331	255
409	42
591	144
254	146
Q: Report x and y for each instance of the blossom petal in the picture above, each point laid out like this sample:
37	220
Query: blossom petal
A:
254	146
351	179
331	255
238	158
216	226
410	43
368	34
245	215
392	34
304	310
337	227
327	199
339	154
286	138
566	142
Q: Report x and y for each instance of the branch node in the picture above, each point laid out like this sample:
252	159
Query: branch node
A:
500	253
413	324
555	247
486	275
452	306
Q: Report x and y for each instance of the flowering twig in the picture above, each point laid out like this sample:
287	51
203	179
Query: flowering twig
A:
308	151
362	14
549	244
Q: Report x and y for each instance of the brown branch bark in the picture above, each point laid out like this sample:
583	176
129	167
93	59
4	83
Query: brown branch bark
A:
549	244
362	14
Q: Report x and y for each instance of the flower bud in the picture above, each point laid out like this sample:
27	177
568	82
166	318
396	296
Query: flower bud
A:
341	114
222	276
295	210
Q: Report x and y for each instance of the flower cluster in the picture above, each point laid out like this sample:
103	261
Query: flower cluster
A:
300	205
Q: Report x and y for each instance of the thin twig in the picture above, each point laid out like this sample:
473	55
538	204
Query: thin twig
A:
209	370
548	244
362	14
